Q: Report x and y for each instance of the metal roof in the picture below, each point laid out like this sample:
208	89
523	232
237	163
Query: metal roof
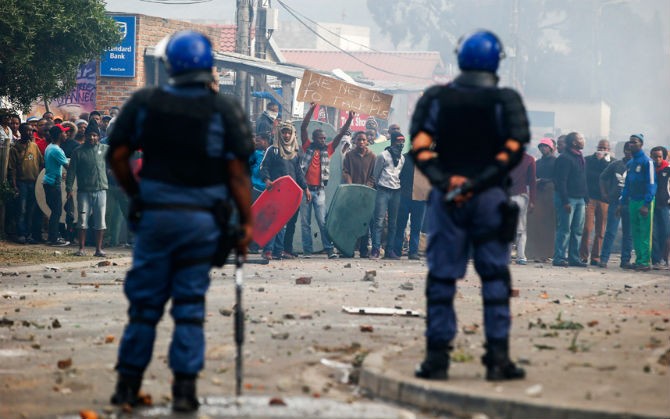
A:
249	64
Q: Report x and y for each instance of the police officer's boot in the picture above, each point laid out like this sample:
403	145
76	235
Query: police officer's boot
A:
184	397
127	390
436	364
498	365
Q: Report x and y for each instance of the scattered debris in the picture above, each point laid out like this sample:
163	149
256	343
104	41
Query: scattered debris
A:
104	263
381	311
55	324
592	323
109	339
534	391
348	265
303	280
64	363
367	328
226	312
345	369
370	275
459	355
347	349
5	322
665	358
280	335
470	329
544	347
277	401
407	286
515	293
88	414
544	295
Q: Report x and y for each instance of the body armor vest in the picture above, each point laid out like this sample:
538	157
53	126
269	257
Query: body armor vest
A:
174	138
471	130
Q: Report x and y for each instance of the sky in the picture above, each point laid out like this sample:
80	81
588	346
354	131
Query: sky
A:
355	12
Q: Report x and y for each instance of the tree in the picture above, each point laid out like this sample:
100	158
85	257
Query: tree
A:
44	42
562	50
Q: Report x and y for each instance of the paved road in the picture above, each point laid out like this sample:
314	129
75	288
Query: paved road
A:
301	344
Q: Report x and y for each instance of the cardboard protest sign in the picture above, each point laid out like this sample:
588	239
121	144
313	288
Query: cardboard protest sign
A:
342	95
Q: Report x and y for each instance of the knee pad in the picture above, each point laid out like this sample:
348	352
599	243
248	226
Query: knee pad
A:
440	290
497	288
189	310
145	314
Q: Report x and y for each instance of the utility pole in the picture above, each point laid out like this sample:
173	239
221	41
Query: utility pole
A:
243	19
261	41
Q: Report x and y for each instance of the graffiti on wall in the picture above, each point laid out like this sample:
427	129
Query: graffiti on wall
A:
81	99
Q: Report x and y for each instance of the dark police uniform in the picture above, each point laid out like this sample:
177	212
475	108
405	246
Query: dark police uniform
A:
470	121
187	134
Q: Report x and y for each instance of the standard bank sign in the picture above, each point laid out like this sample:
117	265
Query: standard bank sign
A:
119	61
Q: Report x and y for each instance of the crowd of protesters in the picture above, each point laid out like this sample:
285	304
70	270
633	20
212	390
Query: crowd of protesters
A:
571	205
71	152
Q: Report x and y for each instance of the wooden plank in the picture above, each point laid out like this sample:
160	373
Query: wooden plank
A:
339	94
381	311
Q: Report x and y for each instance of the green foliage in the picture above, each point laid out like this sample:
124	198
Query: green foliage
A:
45	42
6	191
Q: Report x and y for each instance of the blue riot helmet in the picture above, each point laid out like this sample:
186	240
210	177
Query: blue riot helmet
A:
189	58
480	51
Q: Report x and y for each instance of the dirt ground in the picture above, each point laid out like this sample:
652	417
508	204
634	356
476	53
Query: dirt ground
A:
60	324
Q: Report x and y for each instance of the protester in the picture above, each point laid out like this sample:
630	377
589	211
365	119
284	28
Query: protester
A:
386	178
596	209
570	180
611	184
5	130
469	134
25	164
414	190
372	131
54	161
42	134
261	144
14	123
315	165
357	168
523	193
661	230
176	213
541	231
267	122
638	193
87	166
280	160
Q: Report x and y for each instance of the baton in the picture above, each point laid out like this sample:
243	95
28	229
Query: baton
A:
239	323
451	195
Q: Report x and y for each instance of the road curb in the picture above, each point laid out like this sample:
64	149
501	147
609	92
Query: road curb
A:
379	381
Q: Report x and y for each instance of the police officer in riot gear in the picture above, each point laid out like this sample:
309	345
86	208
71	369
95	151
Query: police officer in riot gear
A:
466	137
177	206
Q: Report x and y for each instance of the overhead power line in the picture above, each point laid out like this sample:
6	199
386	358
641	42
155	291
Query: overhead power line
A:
317	24
383	70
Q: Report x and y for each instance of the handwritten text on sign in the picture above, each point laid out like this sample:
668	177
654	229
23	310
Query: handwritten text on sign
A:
342	95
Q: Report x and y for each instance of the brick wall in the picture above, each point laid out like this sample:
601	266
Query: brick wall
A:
114	91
